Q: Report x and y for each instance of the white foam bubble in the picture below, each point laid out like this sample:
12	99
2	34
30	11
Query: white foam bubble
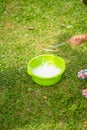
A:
46	70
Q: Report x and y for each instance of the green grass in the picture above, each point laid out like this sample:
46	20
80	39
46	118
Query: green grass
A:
26	27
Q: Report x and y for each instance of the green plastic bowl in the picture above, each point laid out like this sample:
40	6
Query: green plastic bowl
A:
51	60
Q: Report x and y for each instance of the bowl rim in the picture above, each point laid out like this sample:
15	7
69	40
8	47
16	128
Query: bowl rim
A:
34	75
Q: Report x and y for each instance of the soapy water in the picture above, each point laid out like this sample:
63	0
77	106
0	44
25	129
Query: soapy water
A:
46	70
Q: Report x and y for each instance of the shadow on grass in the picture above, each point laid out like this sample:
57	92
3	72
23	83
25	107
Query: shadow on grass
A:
14	86
12	76
63	37
22	104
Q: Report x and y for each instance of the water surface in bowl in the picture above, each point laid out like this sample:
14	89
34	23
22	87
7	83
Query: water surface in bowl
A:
46	70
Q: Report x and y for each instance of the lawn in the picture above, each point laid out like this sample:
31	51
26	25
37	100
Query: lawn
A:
27	28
